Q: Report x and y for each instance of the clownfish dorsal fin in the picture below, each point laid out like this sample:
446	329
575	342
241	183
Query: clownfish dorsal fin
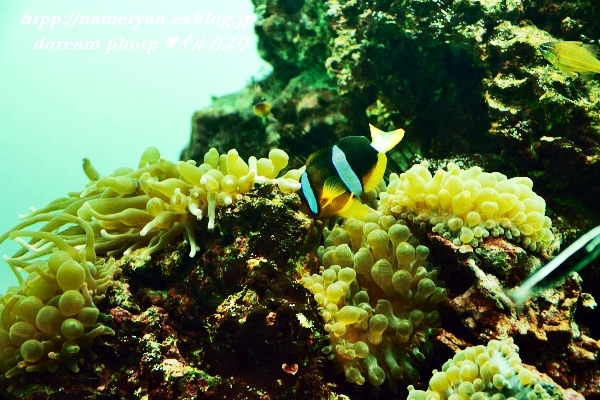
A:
332	189
385	141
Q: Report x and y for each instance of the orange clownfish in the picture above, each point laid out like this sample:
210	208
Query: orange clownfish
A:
335	176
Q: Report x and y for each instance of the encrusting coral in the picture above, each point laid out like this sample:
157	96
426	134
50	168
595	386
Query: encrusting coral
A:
483	372
378	299
468	205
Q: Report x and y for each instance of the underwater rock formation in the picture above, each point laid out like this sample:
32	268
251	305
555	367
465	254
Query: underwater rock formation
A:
230	320
468	84
460	77
230	323
466	81
546	328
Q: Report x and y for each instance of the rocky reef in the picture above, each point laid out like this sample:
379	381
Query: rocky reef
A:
480	372
207	279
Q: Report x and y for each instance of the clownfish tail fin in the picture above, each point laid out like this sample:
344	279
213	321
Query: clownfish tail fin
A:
385	141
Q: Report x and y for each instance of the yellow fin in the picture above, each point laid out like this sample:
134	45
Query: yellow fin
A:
385	141
354	209
332	188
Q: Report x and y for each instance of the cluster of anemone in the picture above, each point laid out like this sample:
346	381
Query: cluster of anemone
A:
51	318
160	199
378	297
150	206
485	372
468	205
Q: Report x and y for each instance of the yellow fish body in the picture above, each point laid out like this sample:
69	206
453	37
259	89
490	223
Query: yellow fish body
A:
572	57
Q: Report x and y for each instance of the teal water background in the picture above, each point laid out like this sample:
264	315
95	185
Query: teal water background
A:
60	105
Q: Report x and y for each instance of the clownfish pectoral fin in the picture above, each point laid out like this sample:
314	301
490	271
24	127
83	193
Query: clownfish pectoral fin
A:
332	189
385	141
354	209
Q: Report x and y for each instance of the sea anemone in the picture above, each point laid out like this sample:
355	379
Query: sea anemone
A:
468	205
377	296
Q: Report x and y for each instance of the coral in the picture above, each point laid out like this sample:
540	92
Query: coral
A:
548	328
482	372
52	318
231	322
378	299
463	77
466	79
291	33
466	206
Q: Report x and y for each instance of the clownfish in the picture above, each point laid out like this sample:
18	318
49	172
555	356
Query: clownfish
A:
335	176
